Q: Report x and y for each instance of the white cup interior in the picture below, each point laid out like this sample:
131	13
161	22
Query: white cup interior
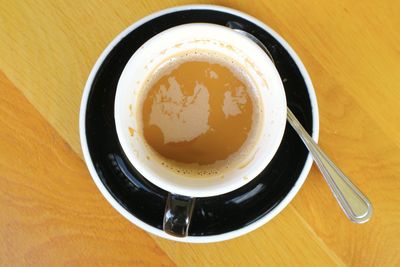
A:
221	40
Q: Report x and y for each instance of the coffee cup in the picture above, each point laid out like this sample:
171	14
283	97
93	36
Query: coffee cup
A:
199	42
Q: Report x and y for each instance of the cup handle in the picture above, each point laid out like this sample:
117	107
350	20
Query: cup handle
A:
177	215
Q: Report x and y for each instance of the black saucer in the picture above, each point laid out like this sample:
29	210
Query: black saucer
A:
213	215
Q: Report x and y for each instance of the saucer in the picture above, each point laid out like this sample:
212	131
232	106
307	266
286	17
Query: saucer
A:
214	218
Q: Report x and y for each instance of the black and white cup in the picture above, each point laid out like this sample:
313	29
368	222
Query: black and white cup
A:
118	182
269	91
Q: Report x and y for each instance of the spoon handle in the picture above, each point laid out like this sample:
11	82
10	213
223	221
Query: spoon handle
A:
355	204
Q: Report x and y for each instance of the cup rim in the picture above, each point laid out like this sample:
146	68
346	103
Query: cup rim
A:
196	239
272	97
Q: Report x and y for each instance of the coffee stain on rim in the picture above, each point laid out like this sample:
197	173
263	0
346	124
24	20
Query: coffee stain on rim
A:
131	131
247	162
131	113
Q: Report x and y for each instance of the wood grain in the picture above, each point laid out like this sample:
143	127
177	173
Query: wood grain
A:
47	50
51	211
285	241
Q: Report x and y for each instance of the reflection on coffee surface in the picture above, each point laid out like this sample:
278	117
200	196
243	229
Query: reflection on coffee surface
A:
199	110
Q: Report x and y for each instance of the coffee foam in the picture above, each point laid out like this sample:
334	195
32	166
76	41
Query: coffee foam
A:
177	115
235	160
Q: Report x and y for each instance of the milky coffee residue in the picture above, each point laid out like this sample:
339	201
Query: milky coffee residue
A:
199	113
177	115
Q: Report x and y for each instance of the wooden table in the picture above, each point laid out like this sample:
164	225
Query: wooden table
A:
51	213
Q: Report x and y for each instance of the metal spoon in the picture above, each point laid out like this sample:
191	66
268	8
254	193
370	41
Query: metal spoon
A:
355	204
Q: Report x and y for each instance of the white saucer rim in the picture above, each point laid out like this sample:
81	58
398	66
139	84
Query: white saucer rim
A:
197	239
